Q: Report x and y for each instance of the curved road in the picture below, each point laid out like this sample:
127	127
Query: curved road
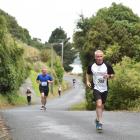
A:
56	123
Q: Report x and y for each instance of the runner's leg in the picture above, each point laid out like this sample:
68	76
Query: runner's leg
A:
45	100
99	110
42	99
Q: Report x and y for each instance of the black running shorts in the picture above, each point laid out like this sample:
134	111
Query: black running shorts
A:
44	89
100	95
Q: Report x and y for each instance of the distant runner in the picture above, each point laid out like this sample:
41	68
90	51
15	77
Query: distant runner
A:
73	81
59	90
44	79
28	94
101	72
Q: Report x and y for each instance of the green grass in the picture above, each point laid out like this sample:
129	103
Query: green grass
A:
11	100
16	99
3	101
79	106
33	76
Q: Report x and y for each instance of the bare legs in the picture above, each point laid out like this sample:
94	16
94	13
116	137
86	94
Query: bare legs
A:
99	110
43	99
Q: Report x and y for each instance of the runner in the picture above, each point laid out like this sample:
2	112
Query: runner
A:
59	90
44	79
74	81
28	93
101	72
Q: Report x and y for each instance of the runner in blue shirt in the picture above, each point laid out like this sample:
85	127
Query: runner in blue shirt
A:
44	79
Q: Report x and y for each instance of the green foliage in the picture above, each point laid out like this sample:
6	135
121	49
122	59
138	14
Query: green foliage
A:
125	87
58	36
16	99
69	56
59	70
114	25
45	55
90	99
79	106
33	76
113	53
12	66
36	42
13	99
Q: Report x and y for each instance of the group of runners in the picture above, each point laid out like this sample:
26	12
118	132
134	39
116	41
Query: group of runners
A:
100	71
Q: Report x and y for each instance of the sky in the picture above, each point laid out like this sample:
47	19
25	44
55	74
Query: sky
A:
41	17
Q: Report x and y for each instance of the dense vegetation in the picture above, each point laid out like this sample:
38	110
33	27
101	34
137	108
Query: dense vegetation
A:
125	87
116	31
12	65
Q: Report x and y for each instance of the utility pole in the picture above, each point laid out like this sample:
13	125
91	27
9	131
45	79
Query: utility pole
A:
62	53
52	57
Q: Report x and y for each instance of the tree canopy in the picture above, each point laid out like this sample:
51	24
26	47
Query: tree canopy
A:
113	28
13	70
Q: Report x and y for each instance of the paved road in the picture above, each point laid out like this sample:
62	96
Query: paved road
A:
29	123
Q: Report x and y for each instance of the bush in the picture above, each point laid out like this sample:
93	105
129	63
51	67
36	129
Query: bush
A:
59	70
90	99
125	87
45	55
13	69
16	99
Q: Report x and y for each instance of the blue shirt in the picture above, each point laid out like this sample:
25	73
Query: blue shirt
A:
44	78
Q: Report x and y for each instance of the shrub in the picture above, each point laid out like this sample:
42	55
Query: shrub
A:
13	69
125	87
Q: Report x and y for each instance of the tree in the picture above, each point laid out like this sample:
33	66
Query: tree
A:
13	69
114	25
58	36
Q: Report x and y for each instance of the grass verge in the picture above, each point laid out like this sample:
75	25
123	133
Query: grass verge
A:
11	100
33	76
79	106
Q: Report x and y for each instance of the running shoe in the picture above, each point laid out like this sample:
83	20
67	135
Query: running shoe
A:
42	108
99	126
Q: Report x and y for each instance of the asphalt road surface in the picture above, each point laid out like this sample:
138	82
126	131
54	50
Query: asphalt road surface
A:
57	123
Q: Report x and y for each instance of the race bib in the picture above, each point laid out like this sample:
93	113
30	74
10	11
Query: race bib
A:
101	80
43	83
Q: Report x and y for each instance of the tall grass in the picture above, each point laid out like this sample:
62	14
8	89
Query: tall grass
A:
33	76
12	99
79	106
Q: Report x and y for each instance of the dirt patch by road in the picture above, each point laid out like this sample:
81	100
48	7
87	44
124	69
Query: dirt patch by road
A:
4	134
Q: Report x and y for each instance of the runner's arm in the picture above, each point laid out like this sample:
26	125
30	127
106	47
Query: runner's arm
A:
37	80
88	76
50	81
88	80
111	72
